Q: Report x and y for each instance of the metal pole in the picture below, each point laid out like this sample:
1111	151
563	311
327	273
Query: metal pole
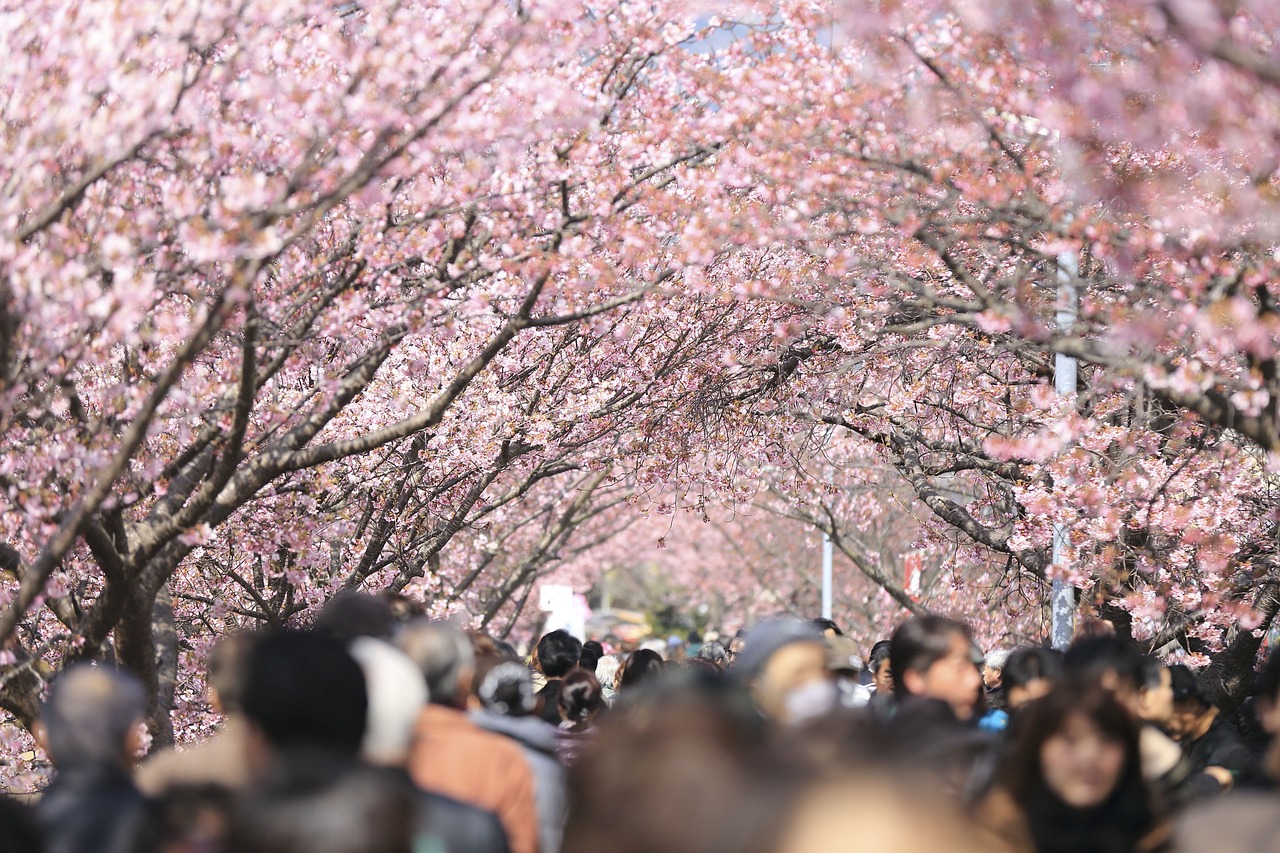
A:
826	575
1063	596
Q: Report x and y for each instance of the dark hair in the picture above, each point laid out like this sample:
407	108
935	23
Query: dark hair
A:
1122	819
580	697
643	666
19	829
306	692
1029	664
1183	682
558	652
1266	686
1093	657
588	659
351	614
504	686
919	643
594	646
879	654
823	624
366	811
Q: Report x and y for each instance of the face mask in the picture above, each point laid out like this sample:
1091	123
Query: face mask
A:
810	701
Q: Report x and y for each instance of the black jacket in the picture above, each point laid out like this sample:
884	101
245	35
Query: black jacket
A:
93	809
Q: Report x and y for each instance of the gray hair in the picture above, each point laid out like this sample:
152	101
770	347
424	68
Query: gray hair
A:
715	653
996	659
607	670
90	714
397	693
443	653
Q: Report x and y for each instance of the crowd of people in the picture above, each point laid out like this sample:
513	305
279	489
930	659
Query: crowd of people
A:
367	734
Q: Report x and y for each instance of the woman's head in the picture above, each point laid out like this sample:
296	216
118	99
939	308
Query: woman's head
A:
642	667
1077	751
580	697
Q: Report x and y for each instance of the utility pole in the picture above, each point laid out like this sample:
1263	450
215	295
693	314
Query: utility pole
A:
826	560
1062	600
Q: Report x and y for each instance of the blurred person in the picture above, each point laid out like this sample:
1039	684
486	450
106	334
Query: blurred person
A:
877	814
932	658
315	804
452	755
304	694
1072	779
223	759
397	694
715	653
351	614
19	830
878	673
580	701
643	666
1213	747
827	627
505	704
90	728
1139	683
734	647
845	666
187	818
682	768
1029	673
558	652
784	667
608	670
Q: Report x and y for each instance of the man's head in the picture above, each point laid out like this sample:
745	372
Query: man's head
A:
933	657
878	666
1190	707
397	693
1029	673
1154	702
446	658
558	652
92	717
993	669
352	614
828	628
1114	663
304	692
782	662
715	653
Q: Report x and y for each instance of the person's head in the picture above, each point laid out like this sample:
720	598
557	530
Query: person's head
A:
92	717
1266	692
715	653
558	652
580	698
311	806
1114	663
1189	706
993	668
351	614
396	693
827	627
878	666
305	692
228	663
505	687
784	665
444	655
1154	702
608	671
589	659
1030	673
932	657
643	666
1075	767
735	646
